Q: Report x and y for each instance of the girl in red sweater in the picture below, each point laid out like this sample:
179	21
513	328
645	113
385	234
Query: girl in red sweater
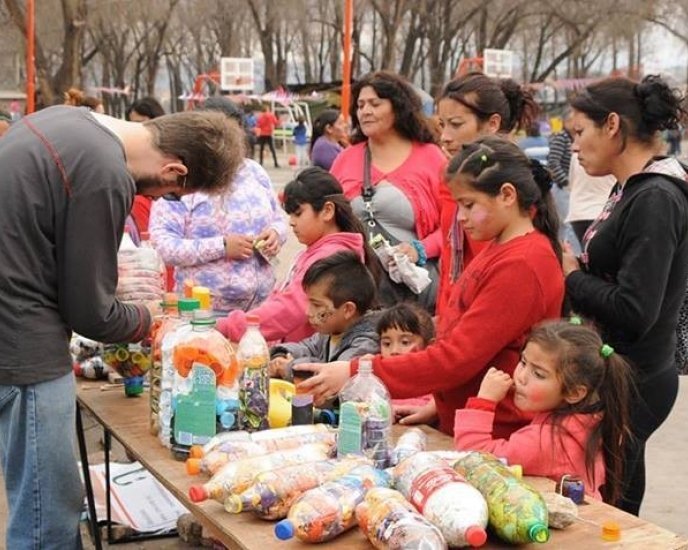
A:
513	284
578	389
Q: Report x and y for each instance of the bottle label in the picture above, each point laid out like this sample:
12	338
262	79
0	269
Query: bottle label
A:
425	485
350	440
194	419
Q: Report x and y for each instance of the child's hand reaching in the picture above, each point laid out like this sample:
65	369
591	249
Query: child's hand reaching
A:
414	414
495	385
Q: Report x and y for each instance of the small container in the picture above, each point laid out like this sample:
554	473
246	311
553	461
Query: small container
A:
572	487
302	401
611	531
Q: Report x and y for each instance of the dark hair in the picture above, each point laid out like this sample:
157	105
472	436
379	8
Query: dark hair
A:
327	118
210	145
491	161
409	120
224	106
486	96
408	317
610	388
316	186
644	108
146	106
347	278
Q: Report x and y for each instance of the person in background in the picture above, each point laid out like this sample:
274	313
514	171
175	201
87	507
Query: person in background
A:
143	109
224	241
470	107
630	279
341	293
250	122
69	178
329	131
322	220
266	123
392	172
579	390
300	134
5	122
559	163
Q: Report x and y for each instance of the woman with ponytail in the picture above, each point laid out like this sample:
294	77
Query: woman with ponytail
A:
631	277
513	284
579	390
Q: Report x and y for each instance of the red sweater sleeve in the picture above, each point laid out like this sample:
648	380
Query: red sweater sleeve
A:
509	302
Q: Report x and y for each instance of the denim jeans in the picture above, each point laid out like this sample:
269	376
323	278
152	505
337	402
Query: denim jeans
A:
44	490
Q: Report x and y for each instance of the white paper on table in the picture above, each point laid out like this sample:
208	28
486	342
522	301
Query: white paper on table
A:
137	499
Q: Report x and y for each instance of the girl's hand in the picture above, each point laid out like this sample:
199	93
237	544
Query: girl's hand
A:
416	414
270	242
238	247
327	380
495	385
569	262
409	250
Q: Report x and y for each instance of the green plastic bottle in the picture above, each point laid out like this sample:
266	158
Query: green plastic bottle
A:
517	512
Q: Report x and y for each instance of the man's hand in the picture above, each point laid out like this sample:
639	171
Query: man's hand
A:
495	385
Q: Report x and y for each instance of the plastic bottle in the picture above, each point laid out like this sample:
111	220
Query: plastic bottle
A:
518	513
272	493
390	522
235	477
443	497
205	390
412	441
254	391
365	417
322	513
162	324
186	308
234	450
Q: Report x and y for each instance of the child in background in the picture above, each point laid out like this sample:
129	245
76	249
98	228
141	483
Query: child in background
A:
322	219
301	143
579	391
341	292
405	328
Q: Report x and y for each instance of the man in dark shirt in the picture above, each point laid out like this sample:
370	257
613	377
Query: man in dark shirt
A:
68	181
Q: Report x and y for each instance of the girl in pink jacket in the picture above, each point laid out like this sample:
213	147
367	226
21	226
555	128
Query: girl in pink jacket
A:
578	390
321	218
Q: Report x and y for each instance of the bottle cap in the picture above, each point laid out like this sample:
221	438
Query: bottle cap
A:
197	493
196	451
539	533
252	319
188	304
193	466
202	294
170	299
365	366
611	531
233	504
517	470
284	530
475	536
203	317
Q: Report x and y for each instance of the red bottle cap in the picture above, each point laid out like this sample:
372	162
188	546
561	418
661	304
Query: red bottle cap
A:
197	493
476	536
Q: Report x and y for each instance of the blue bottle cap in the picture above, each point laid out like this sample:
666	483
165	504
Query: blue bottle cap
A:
221	405
327	417
227	419
284	530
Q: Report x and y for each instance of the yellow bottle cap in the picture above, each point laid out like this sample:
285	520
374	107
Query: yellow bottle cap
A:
611	531
202	294
517	470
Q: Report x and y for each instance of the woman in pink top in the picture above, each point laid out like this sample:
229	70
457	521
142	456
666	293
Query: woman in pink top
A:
405	171
578	389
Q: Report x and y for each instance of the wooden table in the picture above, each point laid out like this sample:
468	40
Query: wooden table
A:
126	419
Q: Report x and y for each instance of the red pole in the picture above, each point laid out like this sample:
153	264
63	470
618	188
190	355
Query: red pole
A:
30	62
346	66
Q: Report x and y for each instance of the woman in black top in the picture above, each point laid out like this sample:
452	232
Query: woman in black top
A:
631	277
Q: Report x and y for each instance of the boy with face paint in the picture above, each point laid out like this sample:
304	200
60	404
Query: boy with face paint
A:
340	291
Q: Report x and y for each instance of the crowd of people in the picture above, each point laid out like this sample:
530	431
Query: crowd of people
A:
558	354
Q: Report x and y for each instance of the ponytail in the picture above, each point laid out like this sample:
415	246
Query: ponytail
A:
546	218
327	118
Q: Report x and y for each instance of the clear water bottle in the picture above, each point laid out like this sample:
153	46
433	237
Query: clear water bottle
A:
254	391
186	308
365	417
